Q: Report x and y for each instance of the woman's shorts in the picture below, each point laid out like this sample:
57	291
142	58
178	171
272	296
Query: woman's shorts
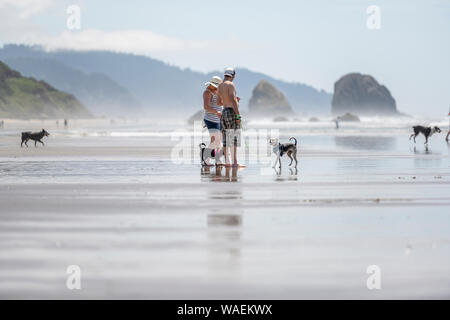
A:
212	125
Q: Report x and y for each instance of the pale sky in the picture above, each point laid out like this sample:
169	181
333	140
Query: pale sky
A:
313	42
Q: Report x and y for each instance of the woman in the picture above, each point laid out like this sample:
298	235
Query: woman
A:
213	112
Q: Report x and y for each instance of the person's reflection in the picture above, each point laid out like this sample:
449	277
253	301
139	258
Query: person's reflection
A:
224	239
220	173
231	174
224	221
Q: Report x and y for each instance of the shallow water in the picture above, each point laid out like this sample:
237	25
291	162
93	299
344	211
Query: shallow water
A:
141	226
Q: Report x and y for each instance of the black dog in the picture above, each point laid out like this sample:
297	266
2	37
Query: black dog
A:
426	131
36	136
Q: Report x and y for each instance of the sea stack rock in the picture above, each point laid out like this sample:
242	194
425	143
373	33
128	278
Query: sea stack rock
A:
362	95
267	100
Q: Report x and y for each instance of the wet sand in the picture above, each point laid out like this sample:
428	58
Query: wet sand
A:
140	226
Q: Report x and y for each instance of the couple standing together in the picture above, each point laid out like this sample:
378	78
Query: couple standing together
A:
222	117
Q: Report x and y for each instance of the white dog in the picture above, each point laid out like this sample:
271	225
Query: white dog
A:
280	149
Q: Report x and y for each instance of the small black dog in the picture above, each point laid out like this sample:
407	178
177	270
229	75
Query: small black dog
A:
207	153
426	131
36	136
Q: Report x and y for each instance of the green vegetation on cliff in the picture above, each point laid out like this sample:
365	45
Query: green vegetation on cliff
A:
26	98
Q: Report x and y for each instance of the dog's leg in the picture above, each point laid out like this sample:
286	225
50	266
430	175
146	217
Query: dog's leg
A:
21	144
276	160
415	138
426	140
279	159
295	157
35	142
290	157
42	143
410	137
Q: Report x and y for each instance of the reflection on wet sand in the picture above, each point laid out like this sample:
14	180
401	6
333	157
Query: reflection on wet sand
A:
225	240
366	143
225	222
418	151
292	176
220	174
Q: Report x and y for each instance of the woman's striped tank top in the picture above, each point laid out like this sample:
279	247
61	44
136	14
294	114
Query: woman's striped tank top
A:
212	116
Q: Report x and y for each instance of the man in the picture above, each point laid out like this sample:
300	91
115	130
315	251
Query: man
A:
231	118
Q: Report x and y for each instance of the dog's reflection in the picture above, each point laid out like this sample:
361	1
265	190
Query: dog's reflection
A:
220	173
293	174
427	150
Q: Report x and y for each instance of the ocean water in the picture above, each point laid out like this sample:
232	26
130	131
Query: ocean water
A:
131	151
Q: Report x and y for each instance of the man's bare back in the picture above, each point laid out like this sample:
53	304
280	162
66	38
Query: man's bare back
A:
227	96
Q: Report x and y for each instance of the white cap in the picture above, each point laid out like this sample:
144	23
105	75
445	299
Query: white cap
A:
215	81
229	72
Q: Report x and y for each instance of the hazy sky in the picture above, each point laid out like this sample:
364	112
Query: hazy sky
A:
313	42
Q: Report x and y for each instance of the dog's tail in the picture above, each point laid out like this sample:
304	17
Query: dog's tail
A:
294	139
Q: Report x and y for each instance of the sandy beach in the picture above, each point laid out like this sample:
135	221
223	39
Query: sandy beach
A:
141	226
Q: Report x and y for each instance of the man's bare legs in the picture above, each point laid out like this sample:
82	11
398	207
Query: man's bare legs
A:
234	153
231	136
226	151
